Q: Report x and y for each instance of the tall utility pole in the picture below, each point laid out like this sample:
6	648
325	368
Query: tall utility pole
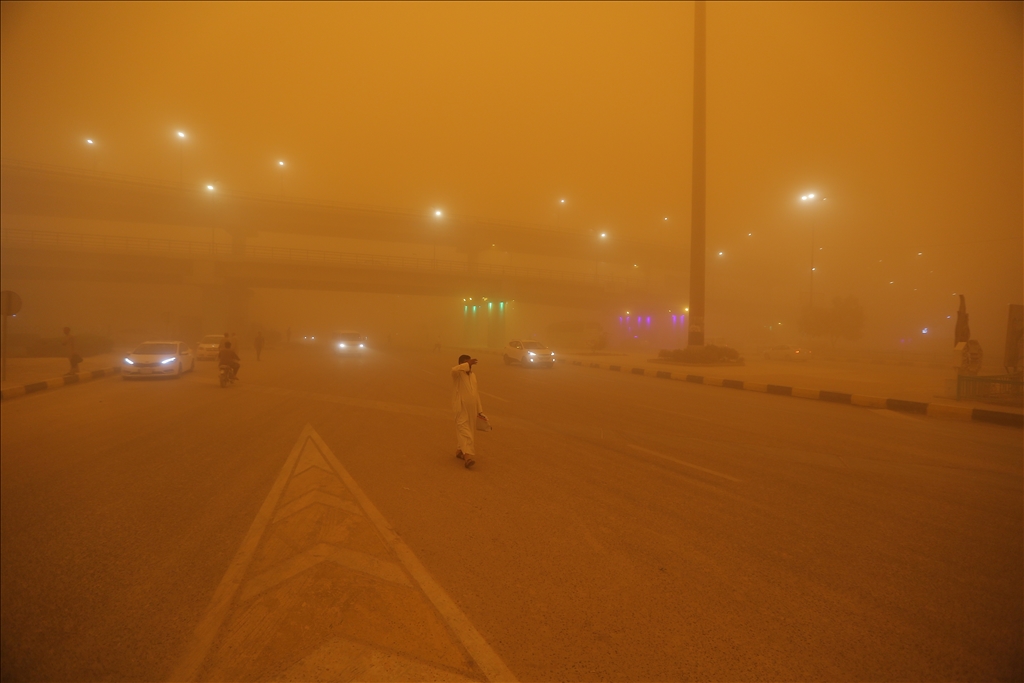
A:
181	158
695	329
812	264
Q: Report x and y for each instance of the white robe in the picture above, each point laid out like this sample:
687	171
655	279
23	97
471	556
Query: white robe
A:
466	405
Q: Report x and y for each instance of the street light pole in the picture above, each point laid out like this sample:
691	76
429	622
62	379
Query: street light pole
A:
181	158
808	199
695	329
812	263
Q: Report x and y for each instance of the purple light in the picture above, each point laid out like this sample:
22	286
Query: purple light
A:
648	321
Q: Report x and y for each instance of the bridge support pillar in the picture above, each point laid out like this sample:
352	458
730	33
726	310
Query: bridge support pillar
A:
496	324
470	326
226	309
483	325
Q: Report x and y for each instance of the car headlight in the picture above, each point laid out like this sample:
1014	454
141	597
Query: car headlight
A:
169	360
341	346
129	361
531	353
361	346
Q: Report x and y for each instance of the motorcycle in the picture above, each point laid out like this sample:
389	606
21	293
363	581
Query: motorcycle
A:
226	375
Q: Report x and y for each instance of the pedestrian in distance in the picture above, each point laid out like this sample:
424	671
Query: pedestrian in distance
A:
73	358
258	344
469	412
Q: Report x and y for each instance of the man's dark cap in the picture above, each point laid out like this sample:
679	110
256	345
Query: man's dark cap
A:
463	358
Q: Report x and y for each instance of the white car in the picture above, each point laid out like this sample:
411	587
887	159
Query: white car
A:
529	353
349	342
163	358
787	353
209	347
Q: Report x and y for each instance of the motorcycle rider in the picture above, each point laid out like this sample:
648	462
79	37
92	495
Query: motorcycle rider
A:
227	356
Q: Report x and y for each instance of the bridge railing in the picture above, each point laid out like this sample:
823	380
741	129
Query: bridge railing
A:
81	242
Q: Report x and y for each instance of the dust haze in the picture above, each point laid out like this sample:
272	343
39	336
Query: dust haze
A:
434	179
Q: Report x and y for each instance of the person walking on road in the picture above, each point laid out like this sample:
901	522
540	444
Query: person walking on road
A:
258	344
467	407
73	358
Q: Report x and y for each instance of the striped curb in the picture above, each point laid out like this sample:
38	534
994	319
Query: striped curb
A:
899	405
58	382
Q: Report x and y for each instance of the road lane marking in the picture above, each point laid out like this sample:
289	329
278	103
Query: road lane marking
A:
479	649
324	552
495	397
310	457
325	535
210	624
313	498
682	462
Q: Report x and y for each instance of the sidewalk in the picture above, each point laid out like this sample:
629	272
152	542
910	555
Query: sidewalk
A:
22	371
909	383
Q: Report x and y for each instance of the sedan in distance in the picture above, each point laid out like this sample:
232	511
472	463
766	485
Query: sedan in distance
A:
349	342
209	347
787	353
163	358
529	353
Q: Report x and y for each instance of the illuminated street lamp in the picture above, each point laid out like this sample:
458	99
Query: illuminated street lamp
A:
181	158
810	198
280	167
437	214
91	144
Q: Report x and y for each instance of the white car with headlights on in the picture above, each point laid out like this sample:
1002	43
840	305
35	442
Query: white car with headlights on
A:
158	358
349	342
529	353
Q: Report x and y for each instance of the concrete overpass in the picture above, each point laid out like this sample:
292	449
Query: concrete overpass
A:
36	254
31	189
226	274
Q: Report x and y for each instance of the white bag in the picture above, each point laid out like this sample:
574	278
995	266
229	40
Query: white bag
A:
482	423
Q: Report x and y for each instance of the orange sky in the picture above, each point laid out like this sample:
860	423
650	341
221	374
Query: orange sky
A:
908	116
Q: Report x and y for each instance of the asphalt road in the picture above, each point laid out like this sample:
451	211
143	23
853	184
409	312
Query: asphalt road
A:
615	527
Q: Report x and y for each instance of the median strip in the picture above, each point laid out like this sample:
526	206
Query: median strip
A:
56	382
936	410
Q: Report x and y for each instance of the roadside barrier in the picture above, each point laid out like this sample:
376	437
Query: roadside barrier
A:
947	412
64	381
